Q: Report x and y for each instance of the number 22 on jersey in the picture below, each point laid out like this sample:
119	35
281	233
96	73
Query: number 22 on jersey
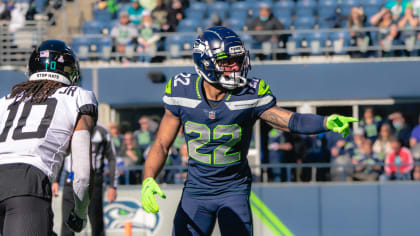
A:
18	132
220	152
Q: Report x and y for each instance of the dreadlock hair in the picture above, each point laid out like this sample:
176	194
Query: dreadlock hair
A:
37	91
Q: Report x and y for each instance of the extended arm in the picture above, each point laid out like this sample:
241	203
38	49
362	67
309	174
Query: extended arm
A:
156	159
289	121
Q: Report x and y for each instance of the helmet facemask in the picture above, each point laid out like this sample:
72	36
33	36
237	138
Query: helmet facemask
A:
228	77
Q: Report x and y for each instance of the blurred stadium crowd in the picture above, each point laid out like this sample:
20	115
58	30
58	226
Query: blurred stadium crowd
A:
125	31
276	29
379	149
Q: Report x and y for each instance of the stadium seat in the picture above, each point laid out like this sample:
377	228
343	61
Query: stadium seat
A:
310	4
347	5
240	6
194	15
286	21
102	15
327	8
239	15
317	42
282	12
105	47
220	8
198	7
175	44
325	12
287	4
81	46
187	25
304	22
300	12
339	40
235	24
92	27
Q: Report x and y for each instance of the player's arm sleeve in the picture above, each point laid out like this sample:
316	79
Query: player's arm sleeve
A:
81	163
111	156
87	104
170	101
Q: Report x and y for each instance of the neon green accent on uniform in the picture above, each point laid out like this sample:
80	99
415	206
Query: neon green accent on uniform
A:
168	88
273	132
268	217
235	141
196	86
263	88
221	55
230	94
204	140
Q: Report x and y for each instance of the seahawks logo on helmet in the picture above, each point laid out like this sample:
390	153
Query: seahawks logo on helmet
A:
218	46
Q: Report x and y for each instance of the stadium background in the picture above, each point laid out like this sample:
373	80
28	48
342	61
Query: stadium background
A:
306	74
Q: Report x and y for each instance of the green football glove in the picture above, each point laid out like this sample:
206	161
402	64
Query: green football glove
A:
148	190
340	124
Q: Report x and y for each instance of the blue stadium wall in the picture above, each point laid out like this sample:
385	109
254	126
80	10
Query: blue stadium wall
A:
120	86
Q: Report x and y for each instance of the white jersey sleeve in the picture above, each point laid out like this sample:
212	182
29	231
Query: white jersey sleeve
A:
39	134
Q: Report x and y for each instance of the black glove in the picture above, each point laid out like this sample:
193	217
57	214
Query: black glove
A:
75	223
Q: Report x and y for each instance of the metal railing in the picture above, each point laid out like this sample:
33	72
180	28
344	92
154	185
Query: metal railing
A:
288	168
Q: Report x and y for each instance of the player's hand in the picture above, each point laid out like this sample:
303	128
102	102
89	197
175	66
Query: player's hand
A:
340	124
75	223
148	191
111	194
54	189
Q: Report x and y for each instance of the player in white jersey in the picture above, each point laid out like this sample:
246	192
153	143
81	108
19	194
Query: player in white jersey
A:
39	120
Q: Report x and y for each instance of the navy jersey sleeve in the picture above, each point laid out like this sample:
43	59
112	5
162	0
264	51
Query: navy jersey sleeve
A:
265	98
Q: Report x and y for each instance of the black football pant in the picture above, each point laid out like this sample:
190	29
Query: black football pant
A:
26	216
95	211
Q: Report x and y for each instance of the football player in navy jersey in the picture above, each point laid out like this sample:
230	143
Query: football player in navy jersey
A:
217	108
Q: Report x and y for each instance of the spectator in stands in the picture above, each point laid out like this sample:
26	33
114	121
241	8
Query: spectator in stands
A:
265	21
175	14
388	30
135	12
382	145
144	135
160	15
148	38
397	7
368	166
416	7
370	123
407	24
131	155
124	34
354	147
401	129
17	15
361	39
277	145
4	12
415	135
399	162
116	137
416	173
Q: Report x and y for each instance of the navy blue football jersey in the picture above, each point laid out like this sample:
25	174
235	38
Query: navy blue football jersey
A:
217	138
